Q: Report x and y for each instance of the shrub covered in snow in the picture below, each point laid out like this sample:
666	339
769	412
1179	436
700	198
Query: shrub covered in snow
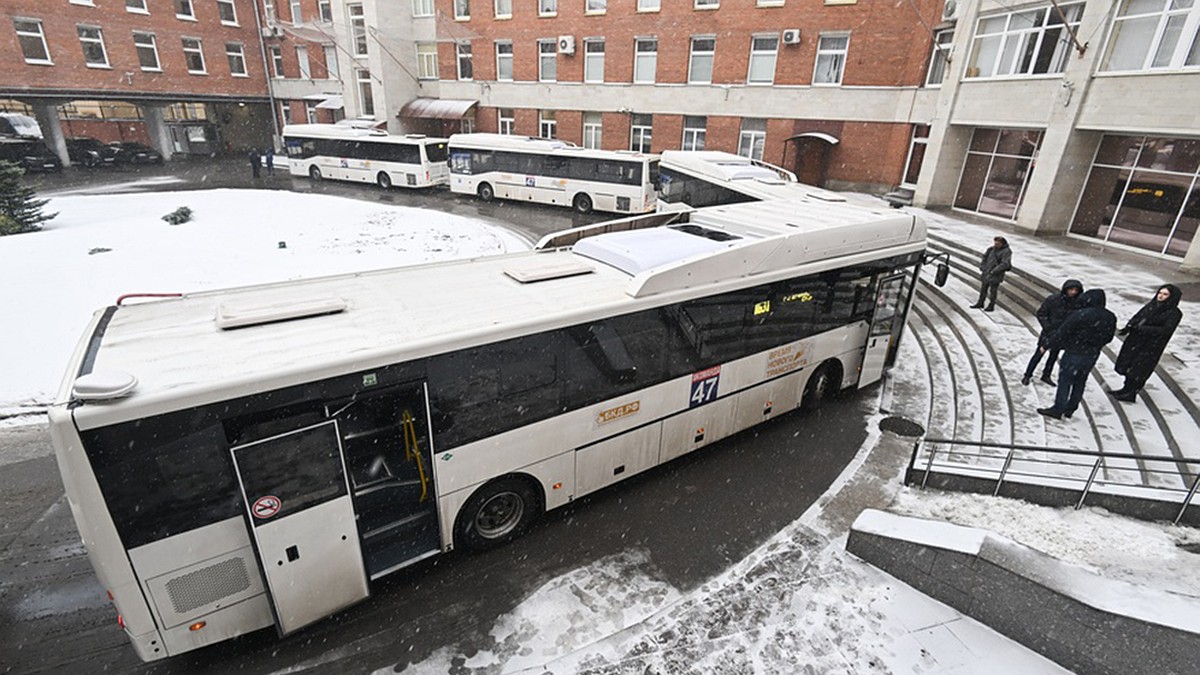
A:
179	216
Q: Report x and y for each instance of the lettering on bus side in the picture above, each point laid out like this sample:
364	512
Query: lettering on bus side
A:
704	386
624	410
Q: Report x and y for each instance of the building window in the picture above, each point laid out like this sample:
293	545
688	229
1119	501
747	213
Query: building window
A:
183	10
700	65
325	10
649	5
942	41
136	6
593	60
752	138
502	9
462	9
645	60
237	59
1029	42
831	59
285	112
1150	34
358	29
227	12
366	97
504	61
640	127
193	55
331	63
694	132
592	128
310	111
997	170
547	7
147	51
302	60
596	6
707	4
506	120
547	60
422	8
276	60
427	68
465	70
33	41
763	51
547	124
92	42
297	13
269	11
916	155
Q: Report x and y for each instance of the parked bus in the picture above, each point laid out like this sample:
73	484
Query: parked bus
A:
552	172
256	457
699	178
365	155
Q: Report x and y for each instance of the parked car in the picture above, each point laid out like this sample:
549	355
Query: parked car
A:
30	154
128	152
90	152
16	125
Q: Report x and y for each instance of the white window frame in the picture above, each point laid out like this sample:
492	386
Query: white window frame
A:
427	65
275	53
365	91
98	39
547	7
234	52
285	112
325	11
297	12
332	70
502	9
693	55
358	29
190	15
310	111
232	9
547	60
768	3
422	8
641	136
40	35
1001	41
462	10
136	7
694	137
152	46
303	62
595	7
269	11
547	124
503	57
199	51
505	124
750	139
758	55
913	141
640	57
1187	38
707	4
459	55
939	60
593	130
839	55
593	60
649	5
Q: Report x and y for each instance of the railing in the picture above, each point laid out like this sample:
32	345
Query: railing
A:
1034	465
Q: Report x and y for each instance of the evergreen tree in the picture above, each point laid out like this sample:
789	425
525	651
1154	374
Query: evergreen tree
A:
20	209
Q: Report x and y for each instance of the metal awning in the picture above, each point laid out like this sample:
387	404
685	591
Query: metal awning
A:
437	108
331	103
818	135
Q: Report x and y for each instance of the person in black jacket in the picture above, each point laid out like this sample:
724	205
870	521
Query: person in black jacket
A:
996	261
1050	315
1080	337
1147	334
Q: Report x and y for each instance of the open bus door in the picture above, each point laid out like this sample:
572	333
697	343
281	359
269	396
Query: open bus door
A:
302	523
885	328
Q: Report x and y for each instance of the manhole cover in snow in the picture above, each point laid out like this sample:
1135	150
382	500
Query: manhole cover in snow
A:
902	426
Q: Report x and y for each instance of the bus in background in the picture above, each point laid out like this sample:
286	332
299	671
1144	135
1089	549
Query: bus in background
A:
343	152
699	178
546	171
245	458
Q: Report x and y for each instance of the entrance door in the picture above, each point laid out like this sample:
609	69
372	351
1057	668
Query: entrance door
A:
302	523
884	328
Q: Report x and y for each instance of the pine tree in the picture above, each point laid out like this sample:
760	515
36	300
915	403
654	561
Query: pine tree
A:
20	209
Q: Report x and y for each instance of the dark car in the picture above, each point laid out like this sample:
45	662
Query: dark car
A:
128	152
90	152
31	155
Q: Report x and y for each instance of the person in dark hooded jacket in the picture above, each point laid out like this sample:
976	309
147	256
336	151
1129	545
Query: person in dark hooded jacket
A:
997	260
1080	337
1147	334
1050	315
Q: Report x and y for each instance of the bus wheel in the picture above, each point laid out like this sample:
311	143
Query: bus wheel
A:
497	513
314	173
485	192
822	385
582	203
384	180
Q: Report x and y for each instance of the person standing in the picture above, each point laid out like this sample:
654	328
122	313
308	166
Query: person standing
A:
1147	334
1050	315
996	261
270	160
1080	337
255	159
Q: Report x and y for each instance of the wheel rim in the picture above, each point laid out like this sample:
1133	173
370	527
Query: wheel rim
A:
384	180
314	173
499	515
583	204
485	193
820	385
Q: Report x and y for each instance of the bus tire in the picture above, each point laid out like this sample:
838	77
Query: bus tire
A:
582	203
822	385
384	180
485	192
314	173
497	513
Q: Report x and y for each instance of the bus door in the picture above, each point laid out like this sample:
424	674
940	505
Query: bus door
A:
886	323
389	457
302	523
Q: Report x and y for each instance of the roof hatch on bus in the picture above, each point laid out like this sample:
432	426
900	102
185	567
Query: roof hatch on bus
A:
104	385
529	271
235	314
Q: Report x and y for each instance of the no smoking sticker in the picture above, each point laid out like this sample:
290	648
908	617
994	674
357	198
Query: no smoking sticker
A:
265	507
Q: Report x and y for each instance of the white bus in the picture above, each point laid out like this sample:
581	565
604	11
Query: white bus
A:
553	172
365	155
699	178
256	457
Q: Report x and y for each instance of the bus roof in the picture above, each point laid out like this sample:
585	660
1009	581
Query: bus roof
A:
182	357
483	141
742	174
341	131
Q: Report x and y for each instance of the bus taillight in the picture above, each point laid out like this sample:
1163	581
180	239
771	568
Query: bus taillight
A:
198	625
120	621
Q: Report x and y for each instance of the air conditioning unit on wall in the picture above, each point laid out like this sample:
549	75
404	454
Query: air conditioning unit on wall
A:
950	10
566	44
791	36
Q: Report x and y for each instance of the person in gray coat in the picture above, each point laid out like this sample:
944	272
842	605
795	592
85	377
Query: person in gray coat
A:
996	261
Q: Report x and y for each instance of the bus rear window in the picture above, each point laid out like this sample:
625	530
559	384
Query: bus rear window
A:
436	152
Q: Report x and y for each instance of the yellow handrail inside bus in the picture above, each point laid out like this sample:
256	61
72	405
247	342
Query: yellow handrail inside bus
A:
412	452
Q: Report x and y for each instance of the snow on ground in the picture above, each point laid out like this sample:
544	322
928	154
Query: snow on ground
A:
100	247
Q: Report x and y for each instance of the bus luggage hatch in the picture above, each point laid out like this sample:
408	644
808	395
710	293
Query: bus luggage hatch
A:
884	328
302	523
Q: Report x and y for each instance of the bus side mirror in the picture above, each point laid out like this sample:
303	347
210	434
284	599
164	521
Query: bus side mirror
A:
943	273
